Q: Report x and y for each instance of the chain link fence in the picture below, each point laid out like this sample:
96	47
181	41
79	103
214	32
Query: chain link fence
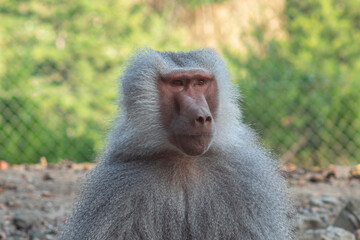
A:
314	127
307	125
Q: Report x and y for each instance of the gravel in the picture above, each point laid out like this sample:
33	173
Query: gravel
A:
36	199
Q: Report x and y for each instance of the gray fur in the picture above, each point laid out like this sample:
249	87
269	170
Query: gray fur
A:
233	191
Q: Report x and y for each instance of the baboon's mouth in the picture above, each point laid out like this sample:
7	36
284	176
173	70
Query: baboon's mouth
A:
193	144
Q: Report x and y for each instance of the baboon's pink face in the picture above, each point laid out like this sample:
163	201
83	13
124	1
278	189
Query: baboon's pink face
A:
188	103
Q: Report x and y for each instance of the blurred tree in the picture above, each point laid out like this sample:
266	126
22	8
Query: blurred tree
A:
309	83
58	65
195	3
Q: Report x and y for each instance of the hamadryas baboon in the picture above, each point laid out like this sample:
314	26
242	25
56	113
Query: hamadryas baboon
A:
179	163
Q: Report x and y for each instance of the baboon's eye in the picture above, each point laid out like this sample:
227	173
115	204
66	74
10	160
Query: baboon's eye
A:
201	82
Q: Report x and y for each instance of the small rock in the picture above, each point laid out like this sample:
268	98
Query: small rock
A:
3	165
47	177
316	202
314	221
52	166
83	166
331	172
316	177
46	194
329	200
23	222
67	163
12	204
342	172
330	233
8	186
349	216
301	182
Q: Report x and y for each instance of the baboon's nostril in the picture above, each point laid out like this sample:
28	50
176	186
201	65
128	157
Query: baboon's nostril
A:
200	120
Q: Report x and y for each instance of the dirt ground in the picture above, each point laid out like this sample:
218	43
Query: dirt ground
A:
35	199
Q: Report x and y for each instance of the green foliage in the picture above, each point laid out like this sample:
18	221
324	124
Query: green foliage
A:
309	83
59	61
195	3
58	67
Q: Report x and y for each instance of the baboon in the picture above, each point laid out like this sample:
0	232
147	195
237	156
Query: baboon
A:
179	163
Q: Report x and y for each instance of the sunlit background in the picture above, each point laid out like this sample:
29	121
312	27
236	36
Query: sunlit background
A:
296	63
